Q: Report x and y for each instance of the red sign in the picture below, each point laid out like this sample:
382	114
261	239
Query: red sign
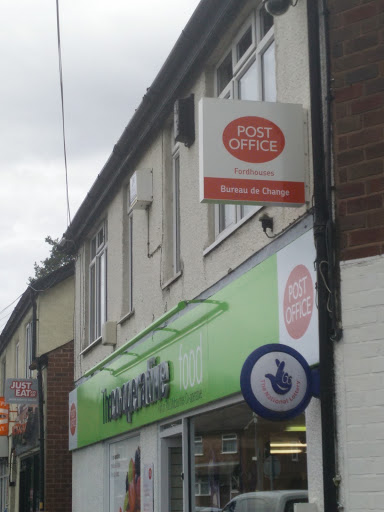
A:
72	419
253	139
298	301
251	152
4	417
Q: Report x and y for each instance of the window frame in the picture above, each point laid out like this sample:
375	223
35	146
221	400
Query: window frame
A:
17	358
28	349
259	45
176	260
98	282
130	262
3	374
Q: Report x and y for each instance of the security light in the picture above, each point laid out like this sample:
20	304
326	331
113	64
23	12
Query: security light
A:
277	7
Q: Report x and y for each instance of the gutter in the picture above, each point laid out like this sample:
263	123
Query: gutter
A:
325	250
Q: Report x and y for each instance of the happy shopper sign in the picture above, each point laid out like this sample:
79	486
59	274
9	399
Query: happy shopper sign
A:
251	152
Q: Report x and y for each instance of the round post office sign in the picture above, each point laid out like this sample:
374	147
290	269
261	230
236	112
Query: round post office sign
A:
276	382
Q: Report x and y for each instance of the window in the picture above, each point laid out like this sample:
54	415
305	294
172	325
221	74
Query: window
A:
229	443
3	374
199	450
130	262
28	350
98	283
202	487
236	465
246	72
176	213
17	352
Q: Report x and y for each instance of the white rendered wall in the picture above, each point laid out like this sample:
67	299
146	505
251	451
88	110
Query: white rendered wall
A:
360	385
88	479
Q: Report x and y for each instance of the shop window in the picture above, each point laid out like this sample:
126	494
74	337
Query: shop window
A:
229	443
125	475
251	459
246	72
98	283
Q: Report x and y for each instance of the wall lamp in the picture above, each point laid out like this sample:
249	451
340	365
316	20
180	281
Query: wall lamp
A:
278	7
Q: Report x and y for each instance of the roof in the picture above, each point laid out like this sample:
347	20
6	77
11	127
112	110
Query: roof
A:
24	304
198	38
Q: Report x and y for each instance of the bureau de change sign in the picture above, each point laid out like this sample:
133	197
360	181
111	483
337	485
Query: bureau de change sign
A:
251	152
21	391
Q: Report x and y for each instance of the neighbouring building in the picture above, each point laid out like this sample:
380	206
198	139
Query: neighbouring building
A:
37	343
357	71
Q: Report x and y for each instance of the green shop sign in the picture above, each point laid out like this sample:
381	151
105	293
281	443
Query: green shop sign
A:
197	358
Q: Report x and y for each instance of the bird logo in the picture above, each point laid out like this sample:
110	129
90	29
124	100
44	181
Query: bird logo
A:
281	382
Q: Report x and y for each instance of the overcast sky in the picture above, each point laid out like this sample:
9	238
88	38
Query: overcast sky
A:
111	52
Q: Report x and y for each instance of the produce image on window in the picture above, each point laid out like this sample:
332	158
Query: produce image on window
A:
124	476
245	463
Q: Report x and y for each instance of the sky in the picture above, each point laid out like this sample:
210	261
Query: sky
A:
111	52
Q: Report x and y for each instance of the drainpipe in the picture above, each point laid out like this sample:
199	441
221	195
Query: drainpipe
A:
324	242
37	364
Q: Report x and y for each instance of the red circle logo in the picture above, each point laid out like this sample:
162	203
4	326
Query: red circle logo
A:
72	419
253	139
298	301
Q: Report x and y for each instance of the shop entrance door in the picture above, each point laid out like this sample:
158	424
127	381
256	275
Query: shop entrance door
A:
175	475
29	485
173	472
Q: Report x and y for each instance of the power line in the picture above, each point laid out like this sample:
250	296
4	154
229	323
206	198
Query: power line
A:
62	110
9	305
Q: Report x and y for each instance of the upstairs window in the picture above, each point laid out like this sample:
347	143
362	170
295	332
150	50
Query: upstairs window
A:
98	283
176	213
28	350
246	72
17	356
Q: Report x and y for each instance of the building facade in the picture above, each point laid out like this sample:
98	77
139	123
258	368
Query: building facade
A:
37	343
173	295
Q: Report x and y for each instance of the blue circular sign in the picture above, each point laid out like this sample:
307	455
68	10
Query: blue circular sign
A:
276	382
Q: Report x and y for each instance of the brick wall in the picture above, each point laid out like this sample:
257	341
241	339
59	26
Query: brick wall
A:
357	67
360	385
58	476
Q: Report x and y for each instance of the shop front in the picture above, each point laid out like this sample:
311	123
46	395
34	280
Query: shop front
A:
167	413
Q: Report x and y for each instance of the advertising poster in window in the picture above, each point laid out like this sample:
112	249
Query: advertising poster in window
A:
148	488
124	476
4	417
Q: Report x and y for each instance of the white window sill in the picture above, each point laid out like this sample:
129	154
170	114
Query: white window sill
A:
172	280
91	345
126	317
228	232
